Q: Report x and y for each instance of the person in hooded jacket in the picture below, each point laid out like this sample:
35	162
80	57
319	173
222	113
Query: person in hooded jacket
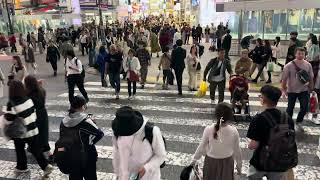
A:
89	133
133	155
101	63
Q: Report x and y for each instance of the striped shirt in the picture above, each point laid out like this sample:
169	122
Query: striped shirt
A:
24	108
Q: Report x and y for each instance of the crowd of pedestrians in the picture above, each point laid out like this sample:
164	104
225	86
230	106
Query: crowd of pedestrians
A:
138	154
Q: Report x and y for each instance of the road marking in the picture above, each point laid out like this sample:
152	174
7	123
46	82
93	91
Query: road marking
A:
173	99
7	171
122	84
309	130
173	158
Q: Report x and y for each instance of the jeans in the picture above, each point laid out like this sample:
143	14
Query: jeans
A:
144	74
73	80
258	175
221	87
114	79
303	98
179	73
92	57
134	84
260	73
33	143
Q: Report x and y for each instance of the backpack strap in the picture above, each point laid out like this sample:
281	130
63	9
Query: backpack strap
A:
296	66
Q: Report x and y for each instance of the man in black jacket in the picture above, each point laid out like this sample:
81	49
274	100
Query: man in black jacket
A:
226	44
217	68
199	33
178	55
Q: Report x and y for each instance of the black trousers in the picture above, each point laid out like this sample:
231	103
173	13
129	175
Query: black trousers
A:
221	87
227	53
54	65
134	87
33	143
73	80
89	172
179	73
13	48
219	43
187	39
84	46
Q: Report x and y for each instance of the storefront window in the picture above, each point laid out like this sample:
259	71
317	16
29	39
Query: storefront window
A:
252	23
275	24
316	26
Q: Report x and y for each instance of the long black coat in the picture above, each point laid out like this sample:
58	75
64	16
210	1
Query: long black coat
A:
42	119
177	58
53	54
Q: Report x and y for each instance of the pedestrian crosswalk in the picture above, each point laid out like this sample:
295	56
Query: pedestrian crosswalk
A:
181	120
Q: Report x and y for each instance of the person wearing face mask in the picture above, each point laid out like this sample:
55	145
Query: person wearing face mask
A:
144	58
131	66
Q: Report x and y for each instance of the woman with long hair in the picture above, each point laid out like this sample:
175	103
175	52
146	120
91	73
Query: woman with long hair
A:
38	97
18	70
193	66
220	146
20	103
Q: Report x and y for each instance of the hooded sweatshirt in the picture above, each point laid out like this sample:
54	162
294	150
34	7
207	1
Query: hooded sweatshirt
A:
90	134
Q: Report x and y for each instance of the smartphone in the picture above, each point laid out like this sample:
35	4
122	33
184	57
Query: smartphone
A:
133	176
90	115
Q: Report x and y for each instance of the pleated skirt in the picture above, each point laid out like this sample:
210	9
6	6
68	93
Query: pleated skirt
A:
218	169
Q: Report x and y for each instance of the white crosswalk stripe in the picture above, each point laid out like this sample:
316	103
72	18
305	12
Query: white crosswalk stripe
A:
166	103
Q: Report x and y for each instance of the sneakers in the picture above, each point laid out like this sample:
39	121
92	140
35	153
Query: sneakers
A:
55	73
130	98
212	101
117	96
269	81
48	170
142	86
16	170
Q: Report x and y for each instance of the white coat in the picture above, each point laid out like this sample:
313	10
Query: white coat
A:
130	153
134	65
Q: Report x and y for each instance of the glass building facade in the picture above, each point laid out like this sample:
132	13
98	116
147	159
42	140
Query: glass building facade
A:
269	24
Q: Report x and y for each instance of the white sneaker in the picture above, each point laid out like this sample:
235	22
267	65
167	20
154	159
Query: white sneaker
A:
21	170
133	97
212	101
117	96
130	98
48	170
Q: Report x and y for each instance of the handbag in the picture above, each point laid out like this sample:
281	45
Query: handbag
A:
16	127
198	66
270	66
133	76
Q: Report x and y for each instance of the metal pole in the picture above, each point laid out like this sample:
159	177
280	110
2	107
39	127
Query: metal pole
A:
9	19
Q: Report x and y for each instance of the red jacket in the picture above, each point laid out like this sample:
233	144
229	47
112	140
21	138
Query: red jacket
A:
12	39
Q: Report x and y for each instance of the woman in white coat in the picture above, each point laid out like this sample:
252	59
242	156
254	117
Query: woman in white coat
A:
193	67
131	67
134	157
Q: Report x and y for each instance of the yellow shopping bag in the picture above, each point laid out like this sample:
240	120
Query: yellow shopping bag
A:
202	89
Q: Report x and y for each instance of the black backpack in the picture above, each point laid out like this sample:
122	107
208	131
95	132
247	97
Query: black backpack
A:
201	50
302	75
148	131
280	153
69	150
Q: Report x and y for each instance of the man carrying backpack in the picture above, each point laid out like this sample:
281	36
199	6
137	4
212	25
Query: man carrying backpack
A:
272	137
75	152
138	147
297	83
